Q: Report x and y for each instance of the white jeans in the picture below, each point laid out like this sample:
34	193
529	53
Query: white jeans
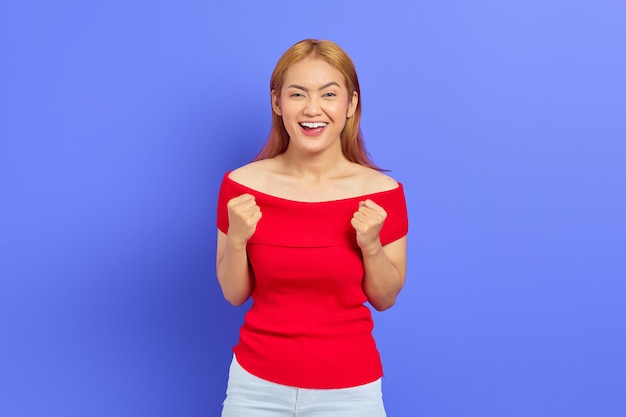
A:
250	396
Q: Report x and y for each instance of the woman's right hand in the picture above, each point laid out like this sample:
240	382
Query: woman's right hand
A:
243	216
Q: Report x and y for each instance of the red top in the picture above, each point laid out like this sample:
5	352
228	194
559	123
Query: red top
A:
308	326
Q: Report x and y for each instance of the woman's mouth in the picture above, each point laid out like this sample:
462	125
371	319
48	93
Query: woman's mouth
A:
313	128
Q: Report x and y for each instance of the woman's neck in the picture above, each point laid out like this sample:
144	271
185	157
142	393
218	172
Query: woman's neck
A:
313	167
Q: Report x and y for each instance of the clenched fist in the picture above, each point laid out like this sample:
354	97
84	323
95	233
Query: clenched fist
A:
243	216
368	221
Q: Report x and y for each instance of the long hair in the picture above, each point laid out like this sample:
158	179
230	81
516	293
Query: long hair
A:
352	143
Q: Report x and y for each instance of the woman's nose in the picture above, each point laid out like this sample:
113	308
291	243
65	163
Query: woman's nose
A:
312	107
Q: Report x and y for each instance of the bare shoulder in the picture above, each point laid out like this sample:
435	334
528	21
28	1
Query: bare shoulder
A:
252	175
375	181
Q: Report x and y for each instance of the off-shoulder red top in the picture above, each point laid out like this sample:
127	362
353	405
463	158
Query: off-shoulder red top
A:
308	326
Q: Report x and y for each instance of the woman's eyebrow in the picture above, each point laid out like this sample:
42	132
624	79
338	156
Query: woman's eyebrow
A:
299	87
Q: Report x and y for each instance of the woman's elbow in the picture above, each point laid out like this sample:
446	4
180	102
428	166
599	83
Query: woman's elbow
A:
234	292
382	305
236	298
382	301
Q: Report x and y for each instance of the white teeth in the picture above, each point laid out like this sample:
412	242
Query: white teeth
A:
313	125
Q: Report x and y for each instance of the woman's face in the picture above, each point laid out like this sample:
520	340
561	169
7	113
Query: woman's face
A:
314	104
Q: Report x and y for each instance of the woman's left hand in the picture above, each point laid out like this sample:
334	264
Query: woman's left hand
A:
368	221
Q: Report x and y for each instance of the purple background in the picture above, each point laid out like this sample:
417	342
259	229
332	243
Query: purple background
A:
505	121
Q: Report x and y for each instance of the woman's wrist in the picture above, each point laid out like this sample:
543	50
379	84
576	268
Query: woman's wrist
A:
372	249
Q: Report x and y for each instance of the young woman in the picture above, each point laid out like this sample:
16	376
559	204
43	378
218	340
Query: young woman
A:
311	230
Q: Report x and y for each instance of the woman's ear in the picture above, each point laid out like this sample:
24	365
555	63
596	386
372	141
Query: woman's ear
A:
276	103
352	105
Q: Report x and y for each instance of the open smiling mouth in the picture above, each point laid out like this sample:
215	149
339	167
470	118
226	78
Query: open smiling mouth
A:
313	127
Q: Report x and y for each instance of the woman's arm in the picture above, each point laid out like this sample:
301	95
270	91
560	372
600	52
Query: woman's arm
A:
385	270
233	271
385	266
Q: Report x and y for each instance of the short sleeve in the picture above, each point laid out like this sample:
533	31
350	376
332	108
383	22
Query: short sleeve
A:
227	192
397	222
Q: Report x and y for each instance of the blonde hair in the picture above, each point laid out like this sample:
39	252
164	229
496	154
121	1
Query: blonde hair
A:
352	143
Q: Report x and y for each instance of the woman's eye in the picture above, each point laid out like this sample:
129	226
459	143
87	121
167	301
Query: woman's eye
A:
297	95
330	94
